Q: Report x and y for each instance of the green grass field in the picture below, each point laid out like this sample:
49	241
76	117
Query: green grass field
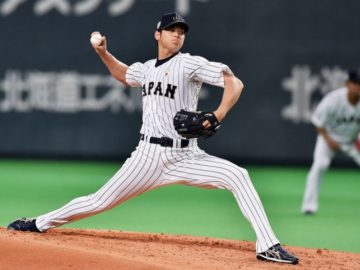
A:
31	188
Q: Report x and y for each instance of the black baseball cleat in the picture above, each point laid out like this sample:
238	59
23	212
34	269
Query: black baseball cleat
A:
277	254
24	224
309	212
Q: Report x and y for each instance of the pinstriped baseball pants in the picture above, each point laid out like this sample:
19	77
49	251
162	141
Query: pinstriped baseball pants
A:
151	166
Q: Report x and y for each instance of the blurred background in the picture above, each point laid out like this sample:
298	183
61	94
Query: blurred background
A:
58	101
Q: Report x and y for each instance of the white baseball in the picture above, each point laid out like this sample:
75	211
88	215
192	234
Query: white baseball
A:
96	39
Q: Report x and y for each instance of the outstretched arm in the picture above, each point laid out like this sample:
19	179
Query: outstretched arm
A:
115	67
232	91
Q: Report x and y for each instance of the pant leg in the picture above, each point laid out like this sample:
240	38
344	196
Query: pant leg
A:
323	155
195	167
141	172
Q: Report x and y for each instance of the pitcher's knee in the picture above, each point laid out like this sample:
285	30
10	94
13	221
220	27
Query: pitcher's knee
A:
242	173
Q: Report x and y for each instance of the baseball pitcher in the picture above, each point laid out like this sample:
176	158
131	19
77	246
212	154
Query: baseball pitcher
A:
168	152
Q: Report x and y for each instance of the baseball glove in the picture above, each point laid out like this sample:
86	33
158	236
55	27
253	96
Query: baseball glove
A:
190	124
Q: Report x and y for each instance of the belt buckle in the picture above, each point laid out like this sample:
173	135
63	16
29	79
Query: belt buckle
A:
166	142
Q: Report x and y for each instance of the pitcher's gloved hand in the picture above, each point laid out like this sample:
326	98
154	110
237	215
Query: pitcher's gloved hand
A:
191	124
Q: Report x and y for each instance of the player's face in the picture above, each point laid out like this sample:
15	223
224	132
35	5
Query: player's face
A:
354	88
171	38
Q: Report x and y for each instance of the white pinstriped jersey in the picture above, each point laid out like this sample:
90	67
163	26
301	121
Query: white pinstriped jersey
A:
170	87
338	116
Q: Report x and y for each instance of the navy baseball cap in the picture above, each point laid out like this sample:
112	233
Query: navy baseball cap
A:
354	75
170	19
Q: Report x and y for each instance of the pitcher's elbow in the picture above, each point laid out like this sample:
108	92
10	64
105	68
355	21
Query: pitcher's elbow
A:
240	84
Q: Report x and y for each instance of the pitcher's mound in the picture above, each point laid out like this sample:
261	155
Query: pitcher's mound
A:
94	249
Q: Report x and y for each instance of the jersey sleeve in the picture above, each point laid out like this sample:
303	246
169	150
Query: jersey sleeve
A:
322	112
135	75
200	69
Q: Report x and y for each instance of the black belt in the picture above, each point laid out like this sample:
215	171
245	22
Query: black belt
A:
164	141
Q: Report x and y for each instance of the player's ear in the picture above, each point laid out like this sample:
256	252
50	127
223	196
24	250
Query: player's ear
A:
157	35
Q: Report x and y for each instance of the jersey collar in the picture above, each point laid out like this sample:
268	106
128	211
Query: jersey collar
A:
162	61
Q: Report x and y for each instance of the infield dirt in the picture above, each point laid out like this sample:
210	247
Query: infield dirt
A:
95	249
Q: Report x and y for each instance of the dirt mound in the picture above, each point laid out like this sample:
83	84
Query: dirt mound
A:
94	249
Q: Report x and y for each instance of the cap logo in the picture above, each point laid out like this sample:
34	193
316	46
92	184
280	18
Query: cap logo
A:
176	18
158	25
